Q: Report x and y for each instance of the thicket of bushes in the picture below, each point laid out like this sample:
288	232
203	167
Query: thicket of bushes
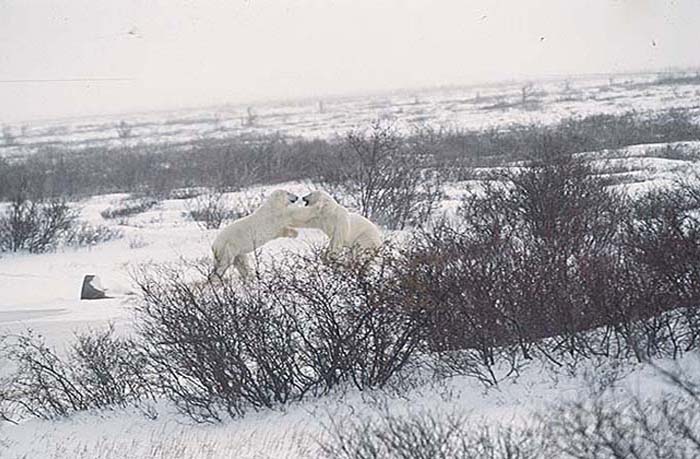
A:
303	328
388	180
129	207
538	261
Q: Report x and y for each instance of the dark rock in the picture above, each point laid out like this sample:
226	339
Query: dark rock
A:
92	289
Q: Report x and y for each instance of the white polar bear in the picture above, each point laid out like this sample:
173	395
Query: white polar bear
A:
344	228
245	235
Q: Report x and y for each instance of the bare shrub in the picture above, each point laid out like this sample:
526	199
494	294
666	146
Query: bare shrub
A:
137	242
216	350
298	329
601	427
547	262
185	193
210	210
489	364
426	436
36	226
100	371
664	238
516	265
123	130
351	317
380	177
690	186
9	138
85	234
129	207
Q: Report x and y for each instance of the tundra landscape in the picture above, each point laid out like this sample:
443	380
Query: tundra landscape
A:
541	255
352	230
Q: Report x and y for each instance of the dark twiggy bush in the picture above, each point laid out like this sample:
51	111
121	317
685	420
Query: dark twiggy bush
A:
303	328
210	209
99	371
351	317
216	348
385	180
37	226
520	263
427	436
129	207
664	237
633	426
548	260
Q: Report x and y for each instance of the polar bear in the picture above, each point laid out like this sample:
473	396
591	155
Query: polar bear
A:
249	233
344	228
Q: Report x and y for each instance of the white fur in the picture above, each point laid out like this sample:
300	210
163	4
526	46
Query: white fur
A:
247	234
344	228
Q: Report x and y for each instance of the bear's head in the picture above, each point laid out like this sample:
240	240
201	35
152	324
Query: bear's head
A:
318	199
281	199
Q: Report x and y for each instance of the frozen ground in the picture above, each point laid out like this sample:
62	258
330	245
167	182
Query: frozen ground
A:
472	107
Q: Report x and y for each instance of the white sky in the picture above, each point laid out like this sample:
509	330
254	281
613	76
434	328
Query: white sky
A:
183	53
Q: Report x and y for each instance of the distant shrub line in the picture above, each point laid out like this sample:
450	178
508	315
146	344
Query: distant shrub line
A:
128	208
237	163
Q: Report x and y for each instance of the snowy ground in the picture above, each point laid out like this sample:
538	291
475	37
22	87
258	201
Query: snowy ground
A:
41	292
295	432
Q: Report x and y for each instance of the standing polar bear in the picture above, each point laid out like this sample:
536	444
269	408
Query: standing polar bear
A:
344	228
245	235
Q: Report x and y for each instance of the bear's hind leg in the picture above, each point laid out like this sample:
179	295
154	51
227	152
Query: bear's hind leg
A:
241	264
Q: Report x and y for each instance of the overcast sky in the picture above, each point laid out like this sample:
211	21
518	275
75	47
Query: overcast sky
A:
174	53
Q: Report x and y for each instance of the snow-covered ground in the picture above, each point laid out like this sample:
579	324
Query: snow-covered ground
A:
296	431
42	291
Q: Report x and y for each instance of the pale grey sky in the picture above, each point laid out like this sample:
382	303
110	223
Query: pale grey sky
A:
181	53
